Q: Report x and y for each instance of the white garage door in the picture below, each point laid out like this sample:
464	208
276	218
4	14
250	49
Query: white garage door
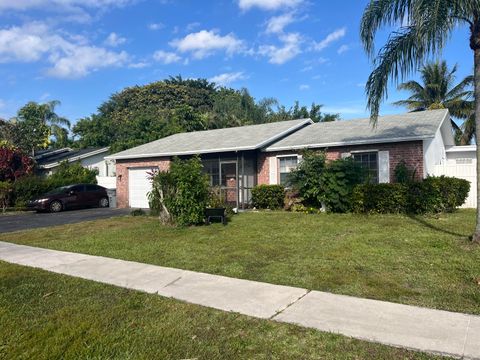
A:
138	187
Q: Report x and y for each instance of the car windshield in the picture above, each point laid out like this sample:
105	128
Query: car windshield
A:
60	190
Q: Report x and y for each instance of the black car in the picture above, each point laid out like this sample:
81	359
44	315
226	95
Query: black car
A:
71	197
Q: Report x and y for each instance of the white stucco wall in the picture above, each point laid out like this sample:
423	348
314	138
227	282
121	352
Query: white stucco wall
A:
434	149
98	162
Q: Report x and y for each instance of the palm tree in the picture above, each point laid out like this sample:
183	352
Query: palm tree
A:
423	28
439	92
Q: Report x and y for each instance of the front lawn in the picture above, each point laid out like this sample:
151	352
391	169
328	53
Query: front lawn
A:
49	316
426	261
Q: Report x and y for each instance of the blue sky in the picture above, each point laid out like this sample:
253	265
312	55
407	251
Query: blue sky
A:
82	51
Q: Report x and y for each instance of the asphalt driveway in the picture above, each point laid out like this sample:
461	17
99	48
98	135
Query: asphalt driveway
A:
33	220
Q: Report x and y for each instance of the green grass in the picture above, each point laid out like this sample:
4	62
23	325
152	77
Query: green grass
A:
49	316
426	261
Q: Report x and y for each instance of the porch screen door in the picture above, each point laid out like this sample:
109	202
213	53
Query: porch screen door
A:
229	182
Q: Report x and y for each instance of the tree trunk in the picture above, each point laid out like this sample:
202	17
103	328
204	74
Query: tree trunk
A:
475	45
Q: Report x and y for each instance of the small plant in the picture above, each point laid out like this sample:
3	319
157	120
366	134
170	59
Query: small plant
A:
138	212
6	189
403	174
268	196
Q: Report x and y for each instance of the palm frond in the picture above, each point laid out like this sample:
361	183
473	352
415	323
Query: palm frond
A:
412	86
401	55
460	87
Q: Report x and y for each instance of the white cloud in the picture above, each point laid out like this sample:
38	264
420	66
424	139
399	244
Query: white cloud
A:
166	57
343	49
24	44
114	40
276	24
138	65
81	11
156	26
304	87
332	37
268	4
192	26
70	57
280	55
227	78
307	68
204	43
79	61
22	5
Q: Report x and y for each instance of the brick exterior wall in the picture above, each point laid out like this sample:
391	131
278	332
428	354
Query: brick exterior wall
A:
411	152
122	167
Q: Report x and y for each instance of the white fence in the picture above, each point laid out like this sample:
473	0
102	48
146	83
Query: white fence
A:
461	171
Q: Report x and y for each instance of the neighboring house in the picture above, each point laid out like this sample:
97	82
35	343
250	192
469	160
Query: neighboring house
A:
236	159
92	158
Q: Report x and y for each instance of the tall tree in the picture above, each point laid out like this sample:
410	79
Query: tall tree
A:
438	90
37	123
423	28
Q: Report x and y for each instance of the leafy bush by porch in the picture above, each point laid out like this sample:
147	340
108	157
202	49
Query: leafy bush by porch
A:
268	196
180	195
326	184
431	195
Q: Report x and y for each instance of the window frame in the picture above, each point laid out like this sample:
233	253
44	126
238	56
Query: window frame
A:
279	157
364	152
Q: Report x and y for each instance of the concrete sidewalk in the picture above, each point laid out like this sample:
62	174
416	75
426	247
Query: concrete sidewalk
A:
406	326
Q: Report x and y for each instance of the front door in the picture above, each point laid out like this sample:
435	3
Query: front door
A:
229	182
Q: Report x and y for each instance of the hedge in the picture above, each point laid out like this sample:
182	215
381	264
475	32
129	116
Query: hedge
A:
431	195
268	196
29	187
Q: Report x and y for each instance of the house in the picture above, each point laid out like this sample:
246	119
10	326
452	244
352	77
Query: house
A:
92	158
236	159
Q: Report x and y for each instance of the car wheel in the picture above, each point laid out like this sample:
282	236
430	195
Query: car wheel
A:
56	206
103	203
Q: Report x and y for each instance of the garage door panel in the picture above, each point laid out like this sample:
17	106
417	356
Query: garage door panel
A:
139	186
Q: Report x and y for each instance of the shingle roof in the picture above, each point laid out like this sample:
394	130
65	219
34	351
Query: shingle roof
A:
49	158
211	141
390	128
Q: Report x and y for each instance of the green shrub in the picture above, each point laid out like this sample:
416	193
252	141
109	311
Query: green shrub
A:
437	194
339	179
181	194
327	184
29	187
403	174
268	196
71	173
380	198
431	195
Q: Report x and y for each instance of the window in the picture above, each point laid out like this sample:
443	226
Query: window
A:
211	168
92	188
286	164
369	161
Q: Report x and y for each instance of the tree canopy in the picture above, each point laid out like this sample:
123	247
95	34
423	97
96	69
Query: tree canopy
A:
140	114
